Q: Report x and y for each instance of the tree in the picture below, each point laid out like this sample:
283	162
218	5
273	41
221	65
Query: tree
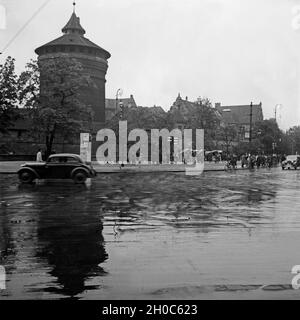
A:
51	90
196	115
140	117
29	85
8	94
267	137
293	140
227	135
206	118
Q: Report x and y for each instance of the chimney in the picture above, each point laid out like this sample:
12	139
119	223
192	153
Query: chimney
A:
186	98
217	104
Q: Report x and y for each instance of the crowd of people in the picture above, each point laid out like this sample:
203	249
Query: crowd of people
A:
252	161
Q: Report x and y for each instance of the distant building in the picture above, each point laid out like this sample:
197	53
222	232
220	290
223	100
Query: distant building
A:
182	110
113	106
240	117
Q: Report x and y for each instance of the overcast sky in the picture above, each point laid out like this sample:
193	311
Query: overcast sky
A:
230	51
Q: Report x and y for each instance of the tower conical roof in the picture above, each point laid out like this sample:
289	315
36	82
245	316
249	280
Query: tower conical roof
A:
73	36
73	25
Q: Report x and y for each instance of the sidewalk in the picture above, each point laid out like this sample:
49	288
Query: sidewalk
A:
12	167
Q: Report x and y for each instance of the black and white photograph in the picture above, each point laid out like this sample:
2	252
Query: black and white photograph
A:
149	151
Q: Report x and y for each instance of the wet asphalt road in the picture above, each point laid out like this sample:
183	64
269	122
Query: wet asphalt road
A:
152	236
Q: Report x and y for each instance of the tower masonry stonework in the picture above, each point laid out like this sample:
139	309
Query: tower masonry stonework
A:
93	59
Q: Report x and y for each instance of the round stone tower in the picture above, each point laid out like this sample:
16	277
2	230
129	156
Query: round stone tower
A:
93	59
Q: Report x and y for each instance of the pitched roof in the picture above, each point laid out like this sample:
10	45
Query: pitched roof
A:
73	36
127	102
73	40
240	114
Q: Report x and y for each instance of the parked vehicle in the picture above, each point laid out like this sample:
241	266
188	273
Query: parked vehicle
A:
58	166
291	162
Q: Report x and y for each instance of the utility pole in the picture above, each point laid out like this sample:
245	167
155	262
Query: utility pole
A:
251	115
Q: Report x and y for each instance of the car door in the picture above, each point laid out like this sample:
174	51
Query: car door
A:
55	168
70	164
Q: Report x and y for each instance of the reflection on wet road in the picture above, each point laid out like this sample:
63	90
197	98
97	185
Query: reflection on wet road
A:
152	236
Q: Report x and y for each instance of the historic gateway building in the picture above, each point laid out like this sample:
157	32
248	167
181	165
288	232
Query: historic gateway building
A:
92	57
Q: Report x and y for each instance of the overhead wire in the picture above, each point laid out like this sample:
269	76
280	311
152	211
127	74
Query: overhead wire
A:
25	25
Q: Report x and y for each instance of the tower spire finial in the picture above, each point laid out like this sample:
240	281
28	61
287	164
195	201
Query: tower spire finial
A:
74	6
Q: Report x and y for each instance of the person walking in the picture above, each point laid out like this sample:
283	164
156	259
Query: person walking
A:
243	160
39	157
269	161
252	160
258	161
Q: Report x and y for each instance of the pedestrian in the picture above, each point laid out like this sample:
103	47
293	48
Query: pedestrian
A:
243	160
252	160
39	157
258	161
263	160
234	161
269	161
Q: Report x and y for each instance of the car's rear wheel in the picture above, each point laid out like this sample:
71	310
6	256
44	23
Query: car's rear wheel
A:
79	177
26	176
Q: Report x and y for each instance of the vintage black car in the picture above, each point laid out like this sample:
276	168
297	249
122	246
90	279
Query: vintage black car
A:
58	166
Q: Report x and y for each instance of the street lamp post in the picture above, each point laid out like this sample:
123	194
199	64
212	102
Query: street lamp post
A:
274	145
118	94
275	110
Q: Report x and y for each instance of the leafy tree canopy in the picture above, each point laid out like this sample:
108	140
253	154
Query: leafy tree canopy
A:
8	94
51	90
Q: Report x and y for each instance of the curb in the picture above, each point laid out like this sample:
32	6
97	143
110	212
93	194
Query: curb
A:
150	171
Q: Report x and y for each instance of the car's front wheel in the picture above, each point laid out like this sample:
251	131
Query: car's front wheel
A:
79	177
26	176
